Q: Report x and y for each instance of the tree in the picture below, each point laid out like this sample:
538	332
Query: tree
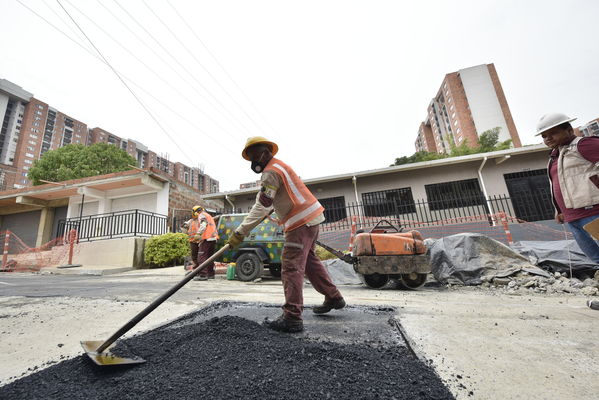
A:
78	161
487	141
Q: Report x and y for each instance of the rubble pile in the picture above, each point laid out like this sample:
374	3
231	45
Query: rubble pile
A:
557	283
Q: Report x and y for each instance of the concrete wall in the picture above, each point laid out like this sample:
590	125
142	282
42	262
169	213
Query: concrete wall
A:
492	173
126	252
482	99
146	202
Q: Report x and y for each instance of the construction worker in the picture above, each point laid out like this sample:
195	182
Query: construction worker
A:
202	233
300	214
574	176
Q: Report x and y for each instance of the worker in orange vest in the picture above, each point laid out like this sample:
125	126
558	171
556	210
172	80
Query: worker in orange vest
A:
300	214
202	233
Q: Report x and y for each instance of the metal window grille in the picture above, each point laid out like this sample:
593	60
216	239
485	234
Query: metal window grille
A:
456	194
334	208
388	202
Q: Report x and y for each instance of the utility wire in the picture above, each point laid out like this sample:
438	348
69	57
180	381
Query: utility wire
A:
126	26
158	76
127	86
65	23
126	78
223	68
202	65
182	66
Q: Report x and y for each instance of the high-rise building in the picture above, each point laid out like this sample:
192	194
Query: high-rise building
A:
591	128
31	127
469	102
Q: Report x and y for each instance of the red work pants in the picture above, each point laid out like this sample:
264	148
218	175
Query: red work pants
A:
200	252
299	259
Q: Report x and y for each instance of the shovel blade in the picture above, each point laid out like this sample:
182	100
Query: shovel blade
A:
106	358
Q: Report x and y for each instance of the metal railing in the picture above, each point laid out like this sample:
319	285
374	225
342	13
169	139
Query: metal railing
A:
115	225
528	207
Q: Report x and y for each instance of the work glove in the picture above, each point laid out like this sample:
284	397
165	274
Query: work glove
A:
197	238
235	239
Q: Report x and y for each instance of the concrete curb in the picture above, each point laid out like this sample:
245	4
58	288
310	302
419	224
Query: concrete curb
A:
85	271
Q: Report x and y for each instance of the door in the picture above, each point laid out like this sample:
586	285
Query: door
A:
531	195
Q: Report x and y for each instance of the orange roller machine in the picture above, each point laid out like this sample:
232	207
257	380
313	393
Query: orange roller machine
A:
387	254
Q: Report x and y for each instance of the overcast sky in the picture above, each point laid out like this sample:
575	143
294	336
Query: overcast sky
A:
341	86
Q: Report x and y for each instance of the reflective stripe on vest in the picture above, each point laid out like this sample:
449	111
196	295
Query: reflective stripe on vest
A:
305	206
210	231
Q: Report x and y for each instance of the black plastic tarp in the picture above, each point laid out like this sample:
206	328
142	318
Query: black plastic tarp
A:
555	256
472	258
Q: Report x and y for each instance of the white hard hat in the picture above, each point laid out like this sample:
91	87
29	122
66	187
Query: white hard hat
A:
551	120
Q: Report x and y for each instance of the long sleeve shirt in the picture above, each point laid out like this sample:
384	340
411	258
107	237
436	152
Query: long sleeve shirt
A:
272	194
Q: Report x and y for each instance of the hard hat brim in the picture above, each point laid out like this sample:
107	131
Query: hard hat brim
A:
273	145
554	125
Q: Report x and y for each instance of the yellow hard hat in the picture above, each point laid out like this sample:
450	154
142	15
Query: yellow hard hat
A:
257	140
197	209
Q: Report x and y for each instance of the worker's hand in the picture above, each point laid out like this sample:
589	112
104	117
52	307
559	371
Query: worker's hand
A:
197	238
235	239
559	218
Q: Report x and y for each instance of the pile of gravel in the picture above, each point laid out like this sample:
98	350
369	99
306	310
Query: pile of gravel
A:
556	284
234	358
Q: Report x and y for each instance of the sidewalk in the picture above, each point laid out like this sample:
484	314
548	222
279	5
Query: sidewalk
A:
111	270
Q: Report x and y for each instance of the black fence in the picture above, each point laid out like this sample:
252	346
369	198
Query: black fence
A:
526	206
529	207
115	225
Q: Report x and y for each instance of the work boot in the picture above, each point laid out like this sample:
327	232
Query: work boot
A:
328	305
593	304
282	324
203	277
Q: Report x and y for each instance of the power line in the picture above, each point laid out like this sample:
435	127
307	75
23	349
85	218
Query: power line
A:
222	68
202	65
125	83
158	76
181	65
126	26
125	77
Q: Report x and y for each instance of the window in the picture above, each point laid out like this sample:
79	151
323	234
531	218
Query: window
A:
33	136
334	208
454	194
388	202
28	162
455	123
453	116
32	142
29	155
30	148
449	99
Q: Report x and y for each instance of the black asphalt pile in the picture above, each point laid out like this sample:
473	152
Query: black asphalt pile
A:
234	358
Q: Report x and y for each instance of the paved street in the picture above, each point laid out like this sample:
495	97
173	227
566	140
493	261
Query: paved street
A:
496	345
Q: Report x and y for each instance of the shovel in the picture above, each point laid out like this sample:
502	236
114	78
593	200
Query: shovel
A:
99	351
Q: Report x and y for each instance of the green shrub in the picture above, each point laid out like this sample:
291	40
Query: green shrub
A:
166	250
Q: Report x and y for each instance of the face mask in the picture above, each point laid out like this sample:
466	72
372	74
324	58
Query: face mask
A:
258	166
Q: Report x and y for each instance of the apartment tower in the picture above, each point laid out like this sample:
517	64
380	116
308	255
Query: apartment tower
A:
469	102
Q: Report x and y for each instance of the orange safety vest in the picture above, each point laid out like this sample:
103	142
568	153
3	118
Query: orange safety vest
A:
210	231
305	206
